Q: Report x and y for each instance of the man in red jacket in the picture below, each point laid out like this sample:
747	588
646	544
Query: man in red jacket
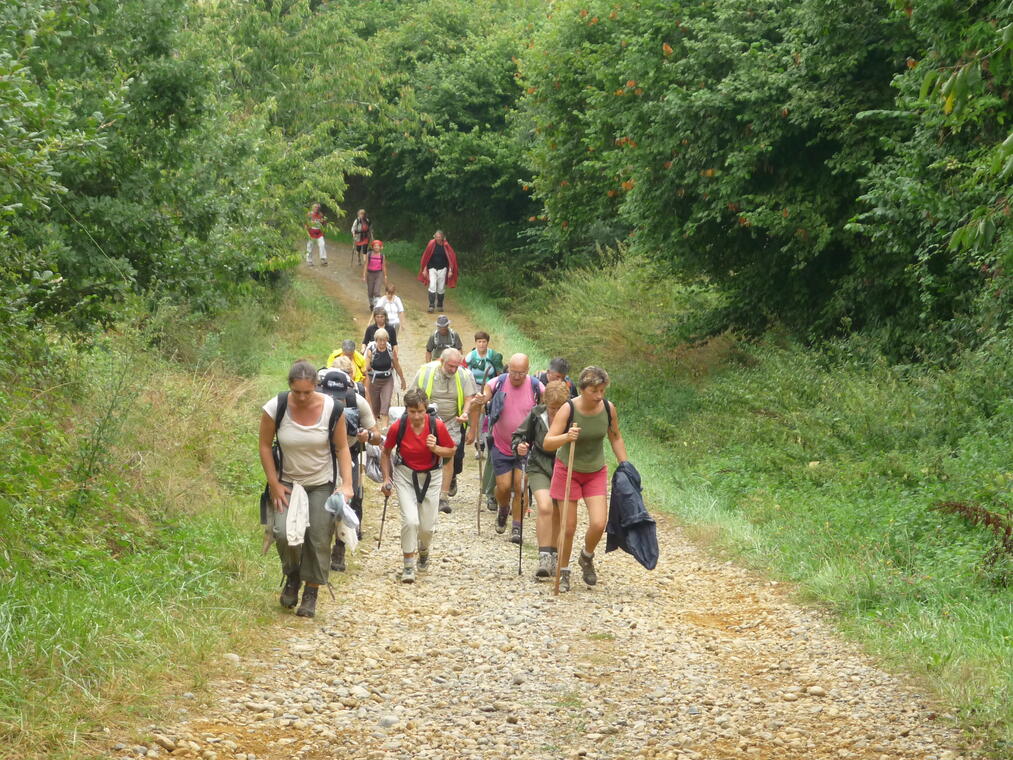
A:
438	269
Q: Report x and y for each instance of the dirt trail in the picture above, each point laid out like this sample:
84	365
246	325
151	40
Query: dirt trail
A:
697	659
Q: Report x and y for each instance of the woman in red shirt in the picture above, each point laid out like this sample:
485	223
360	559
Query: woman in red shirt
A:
315	229
416	473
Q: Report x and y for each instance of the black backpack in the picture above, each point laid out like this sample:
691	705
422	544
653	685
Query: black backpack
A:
339	386
265	497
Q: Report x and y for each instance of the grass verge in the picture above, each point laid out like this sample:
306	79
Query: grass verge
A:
825	468
129	543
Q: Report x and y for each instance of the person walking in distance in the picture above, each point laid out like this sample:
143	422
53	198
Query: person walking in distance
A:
559	369
362	234
315	229
508	400
485	364
382	363
309	428
584	423
420	441
379	323
392	305
438	269
527	441
443	337
374	272
450	386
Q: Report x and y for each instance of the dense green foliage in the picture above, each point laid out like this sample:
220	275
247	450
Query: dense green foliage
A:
830	168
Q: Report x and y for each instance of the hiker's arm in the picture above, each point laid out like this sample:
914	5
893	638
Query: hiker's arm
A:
558	435
400	372
523	436
616	437
279	492
385	468
344	457
445	452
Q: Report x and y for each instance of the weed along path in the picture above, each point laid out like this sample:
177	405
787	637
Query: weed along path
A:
697	659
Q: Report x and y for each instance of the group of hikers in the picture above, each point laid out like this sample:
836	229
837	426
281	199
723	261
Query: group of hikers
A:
538	433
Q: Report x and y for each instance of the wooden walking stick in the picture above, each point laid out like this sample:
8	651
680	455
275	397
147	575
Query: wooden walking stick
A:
566	515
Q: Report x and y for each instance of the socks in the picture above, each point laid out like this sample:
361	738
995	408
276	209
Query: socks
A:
585	555
517	523
547	549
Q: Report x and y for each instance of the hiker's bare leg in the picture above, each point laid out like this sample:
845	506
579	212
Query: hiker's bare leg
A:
547	519
597	514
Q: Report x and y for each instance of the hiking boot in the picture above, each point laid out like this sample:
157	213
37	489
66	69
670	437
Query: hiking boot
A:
490	503
308	608
452	491
323	263
515	534
408	574
432	302
423	560
501	518
445	503
439	301
338	557
586	563
544	566
564	580
290	594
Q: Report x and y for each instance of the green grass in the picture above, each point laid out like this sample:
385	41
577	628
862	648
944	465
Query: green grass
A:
818	467
110	609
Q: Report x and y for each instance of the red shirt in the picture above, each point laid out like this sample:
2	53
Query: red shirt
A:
413	447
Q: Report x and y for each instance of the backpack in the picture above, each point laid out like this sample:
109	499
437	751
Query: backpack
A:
499	398
487	365
452	336
276	453
340	387
403	428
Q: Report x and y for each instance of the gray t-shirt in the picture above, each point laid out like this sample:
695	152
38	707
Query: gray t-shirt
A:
438	342
444	393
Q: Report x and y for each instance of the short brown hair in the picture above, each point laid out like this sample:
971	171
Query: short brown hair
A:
481	335
592	376
415	397
556	393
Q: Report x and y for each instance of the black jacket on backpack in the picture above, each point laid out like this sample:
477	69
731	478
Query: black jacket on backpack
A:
630	527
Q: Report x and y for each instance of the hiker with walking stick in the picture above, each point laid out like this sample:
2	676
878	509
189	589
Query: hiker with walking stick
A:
412	462
577	433
527	441
508	400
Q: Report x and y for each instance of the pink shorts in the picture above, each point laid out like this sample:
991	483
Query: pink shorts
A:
582	485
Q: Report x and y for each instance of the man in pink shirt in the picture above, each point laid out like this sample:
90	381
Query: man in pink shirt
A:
509	398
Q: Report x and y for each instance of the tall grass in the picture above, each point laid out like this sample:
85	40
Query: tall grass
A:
123	581
822	467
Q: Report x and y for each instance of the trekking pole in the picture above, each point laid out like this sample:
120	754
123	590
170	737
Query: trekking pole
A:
383	519
566	514
479	512
524	493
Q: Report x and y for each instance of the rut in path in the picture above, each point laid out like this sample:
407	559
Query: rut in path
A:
697	659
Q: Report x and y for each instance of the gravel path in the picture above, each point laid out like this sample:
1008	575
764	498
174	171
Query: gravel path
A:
697	659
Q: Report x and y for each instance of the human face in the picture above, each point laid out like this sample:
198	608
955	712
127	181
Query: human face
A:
450	366
315	207
301	393
438	237
517	371
377	247
552	375
550	411
481	344
443	330
381	344
594	393
362	214
416	415
380	319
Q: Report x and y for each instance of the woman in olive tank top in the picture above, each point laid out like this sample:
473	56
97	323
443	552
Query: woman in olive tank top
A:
593	421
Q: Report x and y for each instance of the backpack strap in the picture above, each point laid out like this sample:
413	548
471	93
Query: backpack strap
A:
336	411
402	429
279	413
536	390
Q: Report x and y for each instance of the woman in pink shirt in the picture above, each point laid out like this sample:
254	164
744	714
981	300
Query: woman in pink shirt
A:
374	273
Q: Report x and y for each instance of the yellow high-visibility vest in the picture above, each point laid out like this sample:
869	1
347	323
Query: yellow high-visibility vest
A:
426	383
